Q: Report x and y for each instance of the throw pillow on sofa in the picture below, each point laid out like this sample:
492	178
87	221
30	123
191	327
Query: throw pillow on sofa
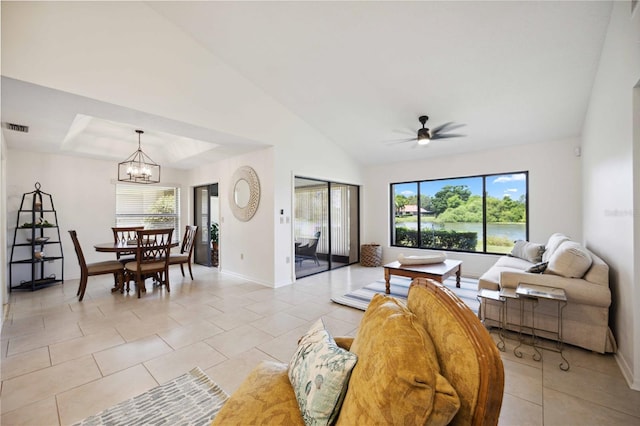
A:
570	260
395	357
319	374
531	252
538	268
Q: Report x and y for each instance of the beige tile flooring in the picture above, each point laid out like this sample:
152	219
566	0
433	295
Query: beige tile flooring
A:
63	360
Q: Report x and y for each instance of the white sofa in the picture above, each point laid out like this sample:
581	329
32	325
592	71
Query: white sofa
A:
583	276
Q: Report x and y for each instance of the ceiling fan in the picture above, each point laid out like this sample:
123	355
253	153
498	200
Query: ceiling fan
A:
426	135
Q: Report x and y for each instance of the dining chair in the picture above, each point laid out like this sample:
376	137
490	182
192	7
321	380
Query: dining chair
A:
186	250
124	235
152	258
98	268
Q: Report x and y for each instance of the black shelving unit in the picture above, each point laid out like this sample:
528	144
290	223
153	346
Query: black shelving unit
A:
36	243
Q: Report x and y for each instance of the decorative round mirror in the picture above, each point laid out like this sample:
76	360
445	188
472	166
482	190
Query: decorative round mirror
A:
241	193
244	195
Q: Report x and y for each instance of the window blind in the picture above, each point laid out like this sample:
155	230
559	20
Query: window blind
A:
153	207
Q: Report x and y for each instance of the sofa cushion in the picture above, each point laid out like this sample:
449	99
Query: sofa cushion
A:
527	251
395	357
570	260
319	373
491	280
598	273
513	263
552	245
265	397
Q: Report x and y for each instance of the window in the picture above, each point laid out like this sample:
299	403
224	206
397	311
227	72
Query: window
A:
152	206
484	214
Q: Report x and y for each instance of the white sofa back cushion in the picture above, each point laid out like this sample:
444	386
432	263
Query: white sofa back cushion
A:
554	242
570	260
599	271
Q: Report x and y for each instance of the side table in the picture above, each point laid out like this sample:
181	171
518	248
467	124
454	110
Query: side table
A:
501	296
533	293
484	295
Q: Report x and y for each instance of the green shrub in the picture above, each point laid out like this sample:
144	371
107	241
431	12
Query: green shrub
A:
499	241
440	239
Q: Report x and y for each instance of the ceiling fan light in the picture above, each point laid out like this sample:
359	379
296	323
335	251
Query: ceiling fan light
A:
424	137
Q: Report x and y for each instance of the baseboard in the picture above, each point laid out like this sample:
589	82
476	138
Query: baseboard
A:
247	278
627	372
5	314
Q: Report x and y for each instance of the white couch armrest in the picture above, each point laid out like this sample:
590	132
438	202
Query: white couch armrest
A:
578	290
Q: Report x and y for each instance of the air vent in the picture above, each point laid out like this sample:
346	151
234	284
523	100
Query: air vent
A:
17	127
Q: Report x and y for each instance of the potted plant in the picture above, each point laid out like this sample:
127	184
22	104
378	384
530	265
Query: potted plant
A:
213	234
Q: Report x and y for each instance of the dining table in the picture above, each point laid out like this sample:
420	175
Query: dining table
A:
122	248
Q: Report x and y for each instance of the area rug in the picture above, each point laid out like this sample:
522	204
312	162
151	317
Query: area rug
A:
190	399
399	288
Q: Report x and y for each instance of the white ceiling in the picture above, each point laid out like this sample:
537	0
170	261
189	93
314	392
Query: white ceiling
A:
68	124
360	73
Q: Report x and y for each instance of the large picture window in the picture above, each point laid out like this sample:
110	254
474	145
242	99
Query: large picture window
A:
483	214
154	207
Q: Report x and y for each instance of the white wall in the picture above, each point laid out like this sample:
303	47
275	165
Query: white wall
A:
610	221
554	192
83	192
324	162
264	242
246	248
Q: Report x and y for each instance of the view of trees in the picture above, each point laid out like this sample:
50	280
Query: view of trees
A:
455	203
162	211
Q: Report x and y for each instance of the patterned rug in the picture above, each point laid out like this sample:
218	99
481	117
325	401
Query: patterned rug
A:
399	288
190	399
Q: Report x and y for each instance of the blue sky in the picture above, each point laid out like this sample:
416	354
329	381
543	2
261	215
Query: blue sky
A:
499	186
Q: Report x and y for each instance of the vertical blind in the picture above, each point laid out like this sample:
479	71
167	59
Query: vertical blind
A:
340	219
153	207
312	214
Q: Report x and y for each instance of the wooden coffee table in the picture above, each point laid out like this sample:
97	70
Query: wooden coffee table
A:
435	271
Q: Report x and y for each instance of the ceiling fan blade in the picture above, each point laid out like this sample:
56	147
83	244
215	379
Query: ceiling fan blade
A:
399	141
445	135
404	131
448	126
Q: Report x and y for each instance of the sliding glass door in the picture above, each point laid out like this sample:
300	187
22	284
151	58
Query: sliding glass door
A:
326	225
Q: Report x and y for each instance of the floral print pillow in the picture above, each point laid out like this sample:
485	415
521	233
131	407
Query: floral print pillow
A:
319	373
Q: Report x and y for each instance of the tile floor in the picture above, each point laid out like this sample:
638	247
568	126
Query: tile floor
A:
63	360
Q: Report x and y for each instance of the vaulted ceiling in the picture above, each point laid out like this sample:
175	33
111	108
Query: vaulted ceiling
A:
358	73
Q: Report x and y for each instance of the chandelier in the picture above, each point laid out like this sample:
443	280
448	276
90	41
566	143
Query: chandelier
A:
139	168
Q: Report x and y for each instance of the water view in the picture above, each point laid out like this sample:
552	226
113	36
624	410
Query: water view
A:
500	235
511	231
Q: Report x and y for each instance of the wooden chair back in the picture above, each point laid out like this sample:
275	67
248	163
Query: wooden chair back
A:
152	258
468	356
124	234
186	251
97	268
76	246
188	241
153	245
